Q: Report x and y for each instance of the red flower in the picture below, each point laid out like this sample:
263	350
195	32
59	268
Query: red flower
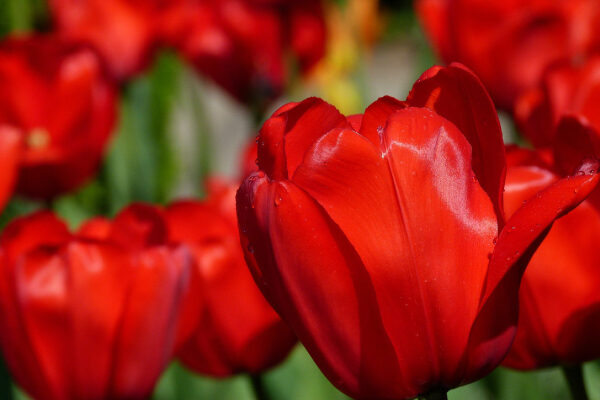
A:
90	318
510	43
58	99
560	294
240	44
368	235
123	32
238	330
10	151
565	90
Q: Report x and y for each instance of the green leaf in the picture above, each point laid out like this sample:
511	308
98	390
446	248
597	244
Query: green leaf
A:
140	165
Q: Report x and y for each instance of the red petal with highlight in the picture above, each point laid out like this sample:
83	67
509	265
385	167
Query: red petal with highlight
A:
404	210
458	95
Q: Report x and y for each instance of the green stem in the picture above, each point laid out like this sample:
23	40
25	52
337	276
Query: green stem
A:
259	387
574	375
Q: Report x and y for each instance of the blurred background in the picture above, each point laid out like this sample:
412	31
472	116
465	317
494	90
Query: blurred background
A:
176	127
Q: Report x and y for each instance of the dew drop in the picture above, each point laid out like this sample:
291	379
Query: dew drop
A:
250	248
278	201
589	166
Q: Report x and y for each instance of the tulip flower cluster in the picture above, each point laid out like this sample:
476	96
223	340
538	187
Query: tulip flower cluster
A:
240	44
407	248
71	300
540	61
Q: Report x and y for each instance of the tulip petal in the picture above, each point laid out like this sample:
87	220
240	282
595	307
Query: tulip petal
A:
10	152
163	279
99	278
138	226
496	323
421	224
518	156
355	121
376	116
433	15
20	357
27	233
220	347
577	341
285	137
533	116
575	141
42	300
97	228
561	281
313	277
74	85
458	95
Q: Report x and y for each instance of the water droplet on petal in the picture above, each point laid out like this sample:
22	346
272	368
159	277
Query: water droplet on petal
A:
589	166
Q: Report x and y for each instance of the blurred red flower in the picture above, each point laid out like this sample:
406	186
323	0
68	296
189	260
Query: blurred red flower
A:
123	32
238	329
58	99
242	44
97	314
368	234
566	90
560	293
10	152
510	43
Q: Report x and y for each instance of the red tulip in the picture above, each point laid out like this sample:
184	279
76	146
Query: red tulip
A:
10	151
367	236
560	293
123	32
241	44
510	43
58	99
238	330
87	317
566	89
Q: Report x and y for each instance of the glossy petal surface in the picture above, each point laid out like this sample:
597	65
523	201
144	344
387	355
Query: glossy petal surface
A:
373	196
456	94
